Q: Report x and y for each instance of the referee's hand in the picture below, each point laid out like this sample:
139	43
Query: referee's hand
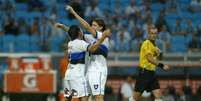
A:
166	67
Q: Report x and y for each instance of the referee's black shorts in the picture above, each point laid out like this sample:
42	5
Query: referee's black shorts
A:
146	80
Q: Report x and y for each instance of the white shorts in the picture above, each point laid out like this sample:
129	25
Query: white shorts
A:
96	82
79	85
75	79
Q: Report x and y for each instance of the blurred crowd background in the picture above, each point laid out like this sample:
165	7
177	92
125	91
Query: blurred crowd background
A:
27	26
30	23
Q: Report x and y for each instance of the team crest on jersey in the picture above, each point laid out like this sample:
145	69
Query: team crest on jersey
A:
96	86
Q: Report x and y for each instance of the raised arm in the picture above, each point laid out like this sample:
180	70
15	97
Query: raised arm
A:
95	46
81	20
62	26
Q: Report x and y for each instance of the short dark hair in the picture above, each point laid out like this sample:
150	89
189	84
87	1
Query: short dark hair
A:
74	31
101	23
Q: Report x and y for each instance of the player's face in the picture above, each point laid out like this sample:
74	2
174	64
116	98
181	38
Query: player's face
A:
95	26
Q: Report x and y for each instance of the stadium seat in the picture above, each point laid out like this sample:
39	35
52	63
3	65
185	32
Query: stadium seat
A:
157	6
160	44
1	43
34	43
171	22
62	14
189	38
8	43
35	14
23	43
186	15
197	16
21	14
56	43
155	16
179	44
184	1
21	6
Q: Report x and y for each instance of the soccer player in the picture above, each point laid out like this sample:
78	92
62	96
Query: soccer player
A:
146	79
75	77
97	69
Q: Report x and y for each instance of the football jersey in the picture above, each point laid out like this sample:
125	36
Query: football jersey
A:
99	56
76	52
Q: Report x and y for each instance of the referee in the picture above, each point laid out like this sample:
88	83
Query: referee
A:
146	79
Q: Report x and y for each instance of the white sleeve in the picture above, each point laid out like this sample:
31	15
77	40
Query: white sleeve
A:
83	46
125	91
98	35
88	38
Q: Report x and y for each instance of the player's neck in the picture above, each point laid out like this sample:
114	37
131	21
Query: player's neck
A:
152	41
79	38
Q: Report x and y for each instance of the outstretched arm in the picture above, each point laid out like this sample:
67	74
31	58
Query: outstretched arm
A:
95	46
81	20
62	26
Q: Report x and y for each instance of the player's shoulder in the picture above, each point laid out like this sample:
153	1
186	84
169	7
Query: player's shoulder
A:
146	42
78	42
98	32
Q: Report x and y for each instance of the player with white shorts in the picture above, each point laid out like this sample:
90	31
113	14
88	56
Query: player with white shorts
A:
97	68
75	81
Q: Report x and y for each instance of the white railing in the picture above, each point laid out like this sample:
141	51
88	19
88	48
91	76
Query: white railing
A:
115	59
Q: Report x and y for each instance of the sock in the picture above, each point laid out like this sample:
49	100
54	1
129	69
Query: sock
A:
131	99
158	100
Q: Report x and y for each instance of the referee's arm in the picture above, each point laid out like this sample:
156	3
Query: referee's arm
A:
155	62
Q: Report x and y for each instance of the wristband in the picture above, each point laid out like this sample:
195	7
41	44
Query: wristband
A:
161	65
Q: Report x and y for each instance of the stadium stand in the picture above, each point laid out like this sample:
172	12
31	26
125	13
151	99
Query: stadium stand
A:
183	51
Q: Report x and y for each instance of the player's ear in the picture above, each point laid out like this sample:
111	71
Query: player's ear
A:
101	28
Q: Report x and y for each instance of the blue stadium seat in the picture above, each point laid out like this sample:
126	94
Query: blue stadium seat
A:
172	16
102	6
196	16
21	14
1	43
157	6
34	43
47	3
23	43
34	14
179	44
56	43
184	1
62	13
68	21
155	16
8	43
186	15
160	44
21	6
125	3
189	38
171	24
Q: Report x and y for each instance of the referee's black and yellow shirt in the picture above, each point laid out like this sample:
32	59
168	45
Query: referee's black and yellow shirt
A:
148	48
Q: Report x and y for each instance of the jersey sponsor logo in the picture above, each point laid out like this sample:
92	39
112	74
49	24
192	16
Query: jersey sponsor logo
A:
96	86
